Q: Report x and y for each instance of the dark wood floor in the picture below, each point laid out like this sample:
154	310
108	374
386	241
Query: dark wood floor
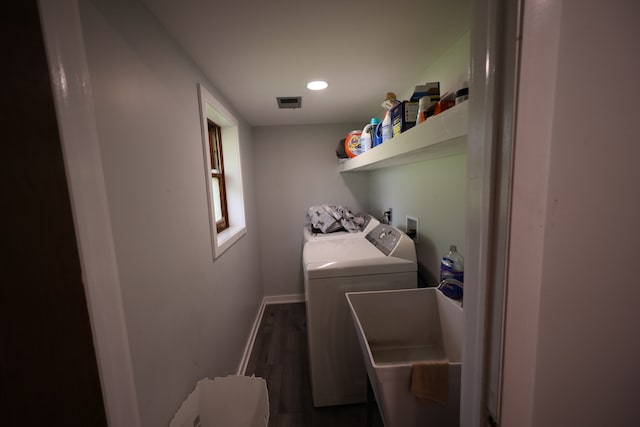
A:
280	356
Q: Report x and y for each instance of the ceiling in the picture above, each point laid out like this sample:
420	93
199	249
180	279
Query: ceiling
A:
256	51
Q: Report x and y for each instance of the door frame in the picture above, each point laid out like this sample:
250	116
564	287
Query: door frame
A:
495	39
71	87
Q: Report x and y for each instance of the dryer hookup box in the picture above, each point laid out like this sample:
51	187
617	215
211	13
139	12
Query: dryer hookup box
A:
234	400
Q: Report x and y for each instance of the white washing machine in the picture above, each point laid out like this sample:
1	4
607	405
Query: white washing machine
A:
385	258
310	236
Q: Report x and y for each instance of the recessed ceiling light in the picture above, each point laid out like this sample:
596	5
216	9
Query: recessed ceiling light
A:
317	85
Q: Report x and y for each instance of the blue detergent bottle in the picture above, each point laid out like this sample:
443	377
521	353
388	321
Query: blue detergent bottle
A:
452	265
377	137
375	124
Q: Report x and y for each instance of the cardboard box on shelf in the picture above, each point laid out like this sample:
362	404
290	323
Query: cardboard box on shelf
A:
428	89
403	116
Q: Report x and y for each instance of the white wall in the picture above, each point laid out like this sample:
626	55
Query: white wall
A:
187	316
451	69
296	167
583	330
433	191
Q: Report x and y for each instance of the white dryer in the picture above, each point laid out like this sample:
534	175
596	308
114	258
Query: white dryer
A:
385	258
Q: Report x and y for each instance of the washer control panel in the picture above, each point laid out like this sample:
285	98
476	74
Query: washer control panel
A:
392	242
384	237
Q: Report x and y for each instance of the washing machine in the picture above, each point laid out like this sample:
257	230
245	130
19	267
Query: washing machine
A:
384	258
369	224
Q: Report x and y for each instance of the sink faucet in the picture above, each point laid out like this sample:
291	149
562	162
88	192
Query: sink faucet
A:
452	288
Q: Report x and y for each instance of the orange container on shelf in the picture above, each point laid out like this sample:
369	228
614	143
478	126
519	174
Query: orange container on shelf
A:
352	143
444	105
446	102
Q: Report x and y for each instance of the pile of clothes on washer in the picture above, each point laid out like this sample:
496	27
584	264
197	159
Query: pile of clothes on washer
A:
330	218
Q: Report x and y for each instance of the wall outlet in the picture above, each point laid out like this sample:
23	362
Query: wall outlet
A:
412	228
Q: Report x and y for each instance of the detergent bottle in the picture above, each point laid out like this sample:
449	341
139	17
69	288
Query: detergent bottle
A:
374	122
377	137
352	143
452	265
386	131
366	136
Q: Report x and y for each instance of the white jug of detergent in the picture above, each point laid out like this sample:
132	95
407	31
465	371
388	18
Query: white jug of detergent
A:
386	131
366	137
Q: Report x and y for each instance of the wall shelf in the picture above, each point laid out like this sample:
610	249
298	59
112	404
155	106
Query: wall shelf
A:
439	136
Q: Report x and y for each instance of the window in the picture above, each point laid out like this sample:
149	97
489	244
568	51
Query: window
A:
219	192
224	193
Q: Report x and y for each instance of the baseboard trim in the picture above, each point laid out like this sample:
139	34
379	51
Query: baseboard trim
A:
252	338
283	299
273	299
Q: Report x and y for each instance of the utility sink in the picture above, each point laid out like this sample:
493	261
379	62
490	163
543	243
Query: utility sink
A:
398	328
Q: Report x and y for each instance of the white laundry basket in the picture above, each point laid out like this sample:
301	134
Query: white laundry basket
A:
232	401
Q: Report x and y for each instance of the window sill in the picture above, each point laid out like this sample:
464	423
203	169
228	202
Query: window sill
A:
227	238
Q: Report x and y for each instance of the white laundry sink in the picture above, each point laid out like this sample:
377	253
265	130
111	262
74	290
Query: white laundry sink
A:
398	328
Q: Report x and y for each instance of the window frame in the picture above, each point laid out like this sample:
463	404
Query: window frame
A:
229	137
216	157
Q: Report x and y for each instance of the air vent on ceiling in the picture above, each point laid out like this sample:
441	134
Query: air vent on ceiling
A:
289	101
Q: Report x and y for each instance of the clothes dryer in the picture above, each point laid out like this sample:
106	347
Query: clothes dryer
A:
384	258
